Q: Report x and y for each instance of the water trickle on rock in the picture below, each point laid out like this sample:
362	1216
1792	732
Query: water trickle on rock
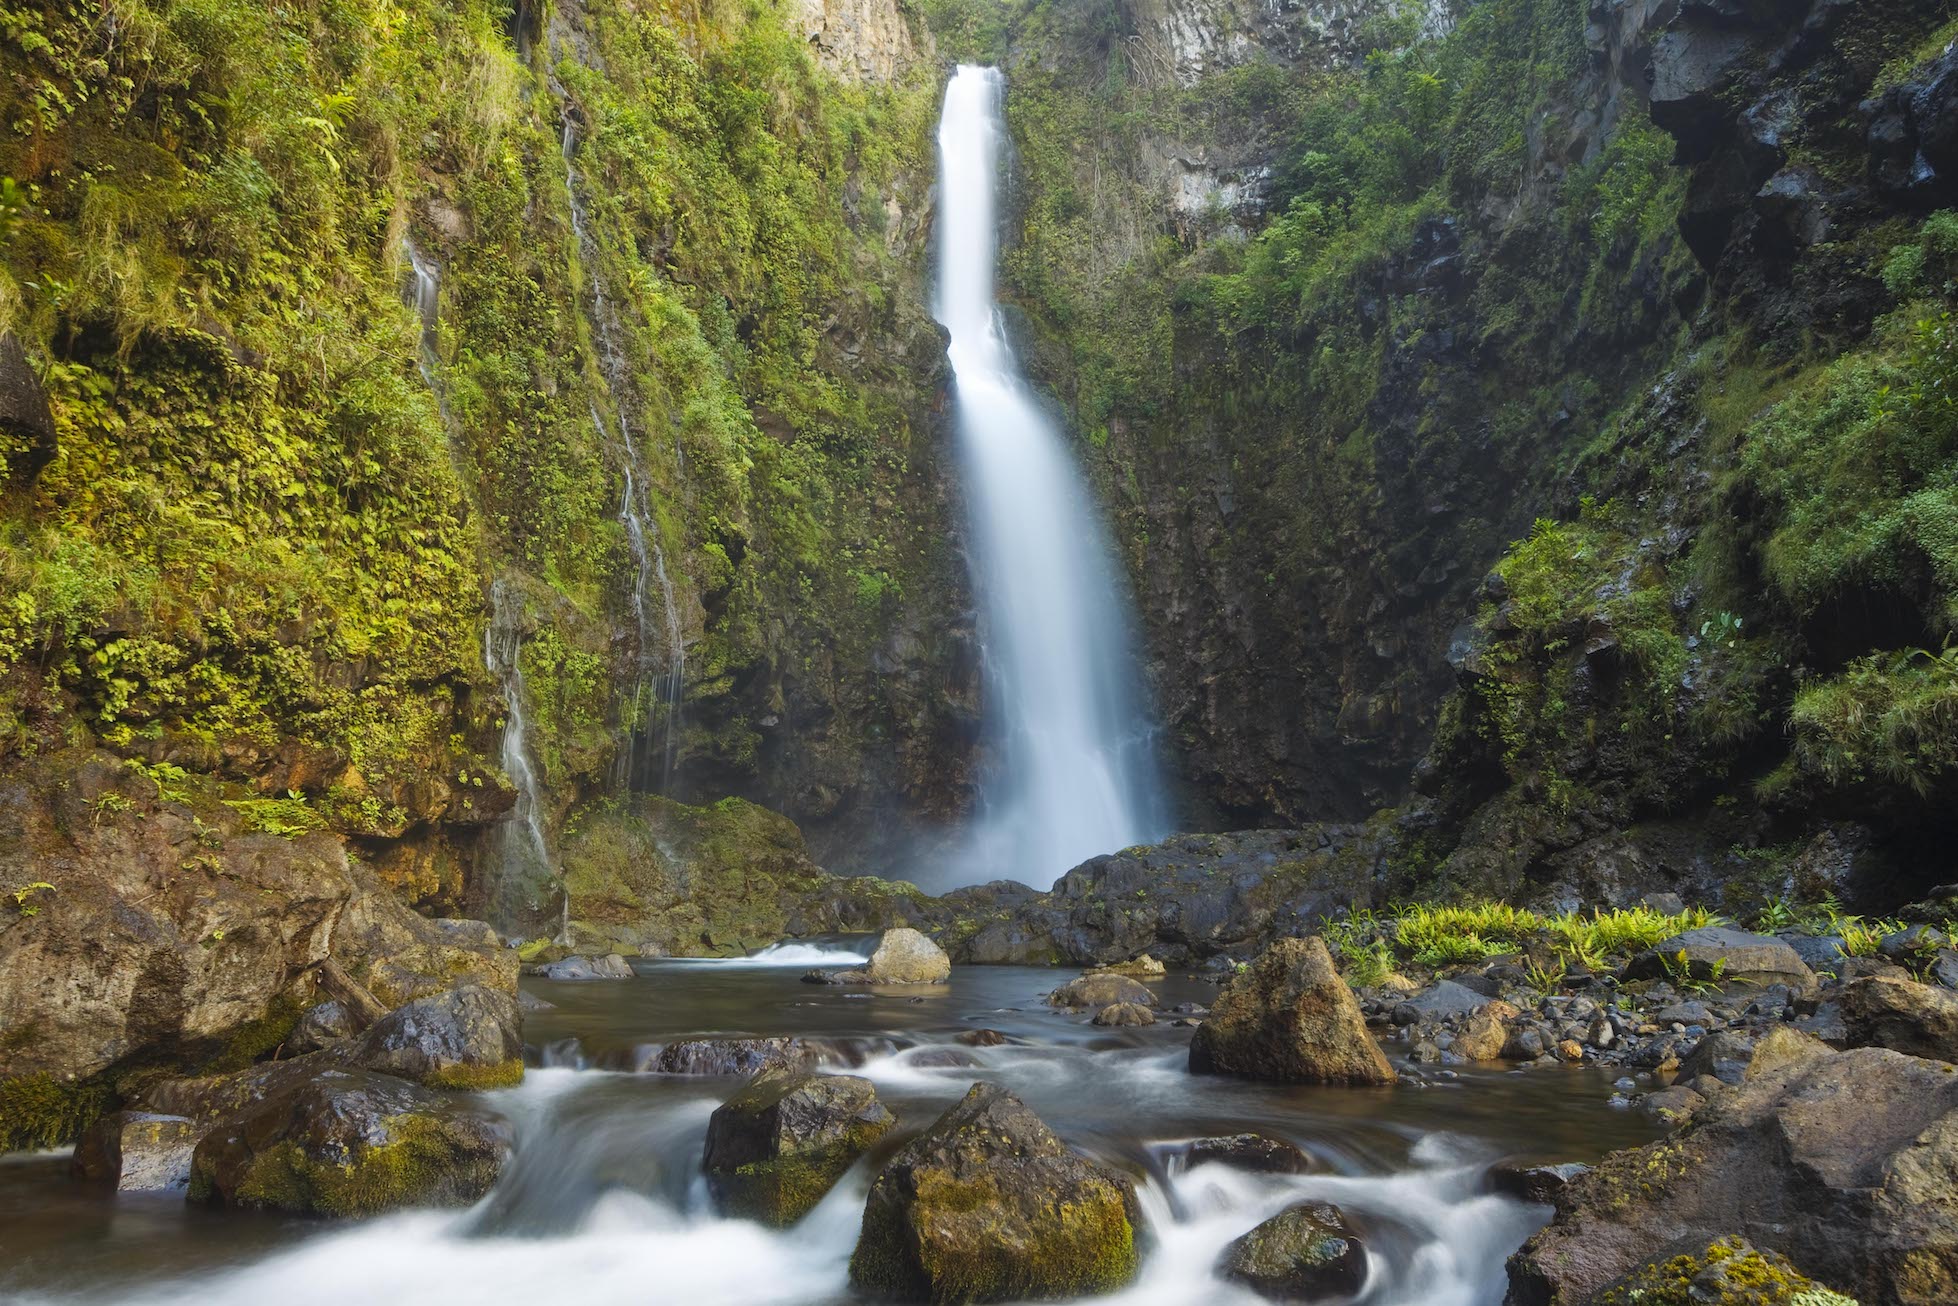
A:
523	881
659	684
1075	776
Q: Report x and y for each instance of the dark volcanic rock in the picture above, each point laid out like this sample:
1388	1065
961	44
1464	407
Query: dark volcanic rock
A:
1256	1152
1732	956
988	1205
1901	1014
1290	1017
1100	990
469	1037
729	1056
1304	1253
351	1143
1843	1162
578	968
784	1140
1540	1184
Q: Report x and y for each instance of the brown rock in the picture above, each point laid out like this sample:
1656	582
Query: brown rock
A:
1289	1017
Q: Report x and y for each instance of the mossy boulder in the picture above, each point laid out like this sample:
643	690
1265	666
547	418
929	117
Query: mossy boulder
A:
782	1142
989	1205
1843	1162
1100	989
1289	1017
1304	1253
351	1142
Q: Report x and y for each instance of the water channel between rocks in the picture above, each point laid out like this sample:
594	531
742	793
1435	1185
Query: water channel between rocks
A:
604	1201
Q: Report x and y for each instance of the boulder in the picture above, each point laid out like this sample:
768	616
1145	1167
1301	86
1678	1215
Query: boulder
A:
137	1151
469	1037
1448	999
1728	1271
580	968
1304	1253
1901	1014
1289	1017
1100	989
905	956
1125	1013
980	1038
988	1205
1724	1056
1485	1033
1144	966
728	1056
1256	1152
783	1141
324	1024
1780	1047
351	1142
1726	954
1842	1162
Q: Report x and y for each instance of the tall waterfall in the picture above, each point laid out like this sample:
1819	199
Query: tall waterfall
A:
1076	777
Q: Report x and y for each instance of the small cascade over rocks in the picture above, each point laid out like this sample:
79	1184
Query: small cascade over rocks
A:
1075	776
660	682
523	878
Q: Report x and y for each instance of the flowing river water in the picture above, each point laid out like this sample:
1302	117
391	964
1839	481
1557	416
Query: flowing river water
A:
603	1200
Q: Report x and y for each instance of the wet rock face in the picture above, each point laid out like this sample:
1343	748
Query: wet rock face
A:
610	966
729	1056
1842	1162
782	1142
988	1205
865	40
1304	1253
152	944
1183	900
350	1143
1254	1152
1289	1017
137	1151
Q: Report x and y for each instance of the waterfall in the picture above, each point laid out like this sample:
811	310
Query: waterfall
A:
1076	777
522	881
657	689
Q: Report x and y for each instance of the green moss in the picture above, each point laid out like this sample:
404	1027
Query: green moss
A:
419	1164
479	1078
1730	1272
38	1110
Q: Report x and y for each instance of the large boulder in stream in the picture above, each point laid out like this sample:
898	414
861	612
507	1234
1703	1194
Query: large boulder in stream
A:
469	1037
1101	989
784	1140
1900	1014
351	1142
988	1205
1304	1253
904	956
1289	1017
1844	1162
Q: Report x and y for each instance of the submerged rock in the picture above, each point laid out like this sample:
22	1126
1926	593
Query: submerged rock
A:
1842	1162
904	956
1259	1153
728	1056
1290	1017
137	1151
988	1205
782	1142
1101	989
1125	1014
351	1142
1304	1253
610	966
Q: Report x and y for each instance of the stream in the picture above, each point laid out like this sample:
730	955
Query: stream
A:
604	1201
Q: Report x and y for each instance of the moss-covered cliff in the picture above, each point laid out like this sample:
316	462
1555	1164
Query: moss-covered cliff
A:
245	534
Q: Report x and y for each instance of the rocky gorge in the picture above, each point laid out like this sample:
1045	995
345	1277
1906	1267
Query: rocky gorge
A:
498	588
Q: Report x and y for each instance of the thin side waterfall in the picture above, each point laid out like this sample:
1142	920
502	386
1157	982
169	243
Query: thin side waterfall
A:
524	881
658	689
1076	776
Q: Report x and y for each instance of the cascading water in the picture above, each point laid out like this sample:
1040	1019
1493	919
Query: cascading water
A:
658	689
1076	777
523	881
